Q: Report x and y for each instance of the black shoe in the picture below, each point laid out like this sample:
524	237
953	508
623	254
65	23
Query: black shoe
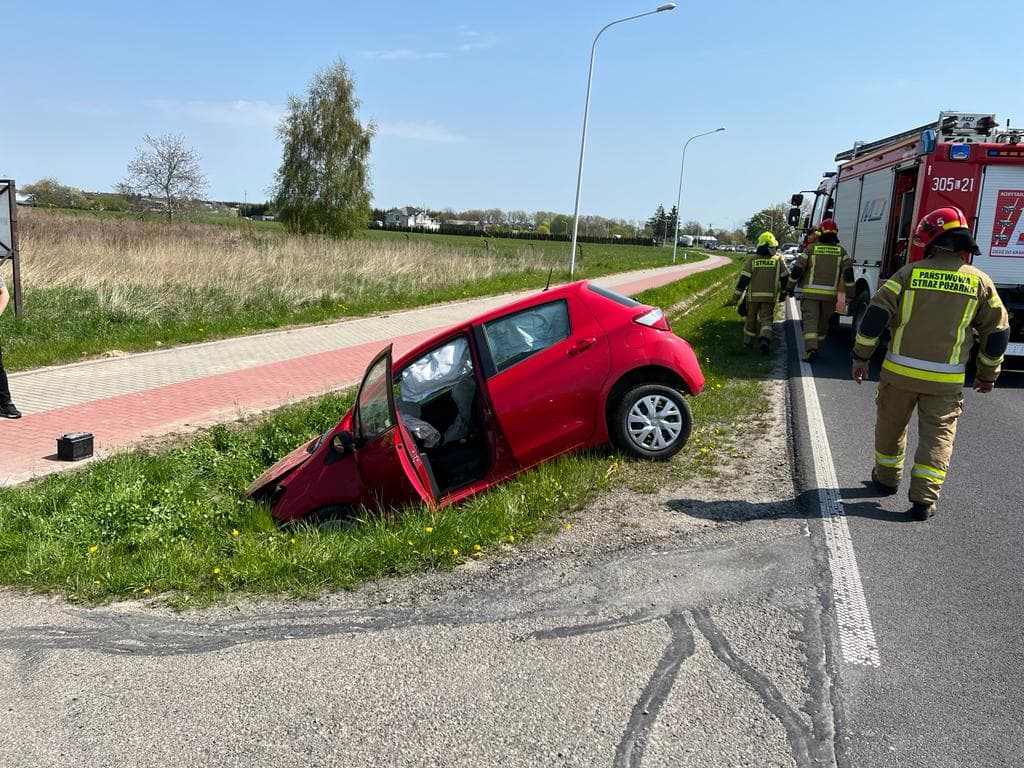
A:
764	347
921	511
9	411
883	489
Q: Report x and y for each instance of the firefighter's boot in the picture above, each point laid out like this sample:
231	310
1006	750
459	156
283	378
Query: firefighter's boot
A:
883	489
765	349
921	511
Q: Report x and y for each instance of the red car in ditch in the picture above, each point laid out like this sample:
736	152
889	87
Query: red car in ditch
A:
570	368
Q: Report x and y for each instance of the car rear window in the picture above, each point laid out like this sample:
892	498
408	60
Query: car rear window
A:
618	298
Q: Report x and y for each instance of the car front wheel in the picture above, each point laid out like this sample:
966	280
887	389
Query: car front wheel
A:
652	421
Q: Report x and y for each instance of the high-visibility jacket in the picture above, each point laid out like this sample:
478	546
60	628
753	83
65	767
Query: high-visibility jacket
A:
761	277
821	266
931	307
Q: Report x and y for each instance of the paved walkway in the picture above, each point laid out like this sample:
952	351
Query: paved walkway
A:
125	400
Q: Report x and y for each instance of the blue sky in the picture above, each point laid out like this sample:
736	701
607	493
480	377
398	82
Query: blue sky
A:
480	104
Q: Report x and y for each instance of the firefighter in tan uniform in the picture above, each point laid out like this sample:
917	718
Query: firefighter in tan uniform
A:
762	278
932	306
821	266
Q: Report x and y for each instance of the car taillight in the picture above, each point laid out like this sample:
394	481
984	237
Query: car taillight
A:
654	319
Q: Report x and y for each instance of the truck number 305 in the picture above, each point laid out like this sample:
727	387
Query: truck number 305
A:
952	184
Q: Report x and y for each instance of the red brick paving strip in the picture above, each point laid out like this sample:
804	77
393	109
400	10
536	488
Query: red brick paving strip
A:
28	446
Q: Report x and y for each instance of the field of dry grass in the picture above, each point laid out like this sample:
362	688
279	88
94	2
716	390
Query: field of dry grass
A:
124	259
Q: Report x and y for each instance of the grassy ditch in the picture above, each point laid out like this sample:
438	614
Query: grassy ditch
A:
99	284
174	524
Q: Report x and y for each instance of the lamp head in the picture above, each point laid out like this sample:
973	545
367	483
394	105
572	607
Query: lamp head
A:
665	7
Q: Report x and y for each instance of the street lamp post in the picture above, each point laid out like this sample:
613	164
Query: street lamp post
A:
679	194
586	113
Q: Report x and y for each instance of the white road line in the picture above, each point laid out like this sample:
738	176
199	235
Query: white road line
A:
856	634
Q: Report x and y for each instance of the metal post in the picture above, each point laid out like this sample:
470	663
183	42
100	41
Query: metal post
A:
583	140
679	194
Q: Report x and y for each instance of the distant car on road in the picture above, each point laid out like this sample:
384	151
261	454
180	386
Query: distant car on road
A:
567	369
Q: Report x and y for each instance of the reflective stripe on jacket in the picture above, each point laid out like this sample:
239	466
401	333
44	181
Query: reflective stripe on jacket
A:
765	275
933	306
823	267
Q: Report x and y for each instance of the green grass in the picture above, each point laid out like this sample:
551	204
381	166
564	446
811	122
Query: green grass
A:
66	324
175	523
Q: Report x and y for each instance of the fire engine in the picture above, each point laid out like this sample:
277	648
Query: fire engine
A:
883	188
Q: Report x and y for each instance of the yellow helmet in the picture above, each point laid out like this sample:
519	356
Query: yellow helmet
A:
767	238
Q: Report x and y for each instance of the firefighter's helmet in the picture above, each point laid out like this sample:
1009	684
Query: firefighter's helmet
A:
828	225
943	221
767	238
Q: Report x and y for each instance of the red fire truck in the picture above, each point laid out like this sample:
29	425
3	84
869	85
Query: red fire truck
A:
883	188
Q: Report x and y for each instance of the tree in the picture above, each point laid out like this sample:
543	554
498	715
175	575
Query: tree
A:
322	185
169	169
52	194
772	220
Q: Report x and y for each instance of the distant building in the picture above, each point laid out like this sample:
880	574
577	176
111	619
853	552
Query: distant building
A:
410	218
465	223
22	199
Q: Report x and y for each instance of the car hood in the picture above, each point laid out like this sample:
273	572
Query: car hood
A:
263	484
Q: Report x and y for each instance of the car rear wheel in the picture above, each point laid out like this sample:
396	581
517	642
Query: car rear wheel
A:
651	421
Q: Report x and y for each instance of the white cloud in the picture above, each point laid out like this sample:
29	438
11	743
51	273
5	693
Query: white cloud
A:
426	131
407	54
474	40
237	112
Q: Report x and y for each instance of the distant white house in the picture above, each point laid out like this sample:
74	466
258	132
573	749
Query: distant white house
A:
410	218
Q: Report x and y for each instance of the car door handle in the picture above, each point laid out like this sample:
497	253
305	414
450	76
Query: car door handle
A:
581	345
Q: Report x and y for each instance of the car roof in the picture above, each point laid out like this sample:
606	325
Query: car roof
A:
578	288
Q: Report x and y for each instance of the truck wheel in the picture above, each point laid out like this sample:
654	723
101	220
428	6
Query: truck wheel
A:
651	421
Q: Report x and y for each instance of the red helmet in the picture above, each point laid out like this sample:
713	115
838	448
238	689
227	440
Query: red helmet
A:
938	221
828	225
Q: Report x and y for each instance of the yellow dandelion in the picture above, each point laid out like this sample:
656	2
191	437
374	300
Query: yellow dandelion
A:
94	548
146	591
216	571
409	542
96	583
455	551
511	537
568	526
476	547
234	532
291	541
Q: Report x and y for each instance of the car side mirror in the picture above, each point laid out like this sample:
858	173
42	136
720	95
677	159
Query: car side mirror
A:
793	217
343	443
796	200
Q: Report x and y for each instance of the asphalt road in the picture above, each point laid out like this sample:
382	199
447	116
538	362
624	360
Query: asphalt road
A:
946	597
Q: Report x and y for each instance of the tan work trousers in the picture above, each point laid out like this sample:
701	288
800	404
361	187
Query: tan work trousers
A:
936	426
758	322
815	316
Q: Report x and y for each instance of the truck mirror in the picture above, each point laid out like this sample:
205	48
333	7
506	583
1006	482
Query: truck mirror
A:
796	200
793	218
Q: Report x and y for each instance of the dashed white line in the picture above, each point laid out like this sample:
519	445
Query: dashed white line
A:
856	634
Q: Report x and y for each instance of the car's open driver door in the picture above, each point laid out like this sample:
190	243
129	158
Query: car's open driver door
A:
386	455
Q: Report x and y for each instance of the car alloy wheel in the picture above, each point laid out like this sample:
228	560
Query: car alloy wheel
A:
652	421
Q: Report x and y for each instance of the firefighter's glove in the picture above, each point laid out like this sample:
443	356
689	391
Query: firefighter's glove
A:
859	371
982	386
